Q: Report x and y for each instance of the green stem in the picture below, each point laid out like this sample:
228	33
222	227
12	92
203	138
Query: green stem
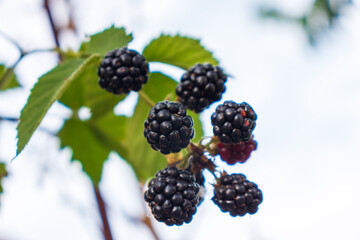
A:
146	99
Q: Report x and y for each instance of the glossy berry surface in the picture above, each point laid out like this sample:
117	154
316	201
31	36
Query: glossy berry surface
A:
123	70
168	128
236	195
172	196
200	86
233	122
236	152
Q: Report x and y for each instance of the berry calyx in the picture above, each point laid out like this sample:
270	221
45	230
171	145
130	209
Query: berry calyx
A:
172	196
168	128
123	70
236	195
200	86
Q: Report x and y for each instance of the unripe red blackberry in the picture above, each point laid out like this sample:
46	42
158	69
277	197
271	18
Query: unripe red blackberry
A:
233	122
239	152
123	70
236	195
172	196
168	128
200	86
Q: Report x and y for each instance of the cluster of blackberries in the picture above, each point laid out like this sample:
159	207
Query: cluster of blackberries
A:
233	153
200	86
123	70
233	123
168	128
172	196
236	195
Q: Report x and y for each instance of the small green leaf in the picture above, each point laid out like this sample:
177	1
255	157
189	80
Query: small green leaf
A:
86	147
47	90
107	40
177	50
8	79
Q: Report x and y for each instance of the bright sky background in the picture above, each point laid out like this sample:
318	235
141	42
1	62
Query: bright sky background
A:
307	101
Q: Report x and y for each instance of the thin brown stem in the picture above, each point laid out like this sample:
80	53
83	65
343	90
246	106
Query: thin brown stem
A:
147	222
102	209
54	28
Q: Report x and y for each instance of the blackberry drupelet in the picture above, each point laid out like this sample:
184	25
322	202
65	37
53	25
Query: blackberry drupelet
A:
233	153
236	195
168	128
123	70
200	86
172	196
233	122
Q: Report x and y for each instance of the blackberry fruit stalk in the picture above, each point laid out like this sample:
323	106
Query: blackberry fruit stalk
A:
172	196
233	122
123	70
236	195
233	153
200	86
168	128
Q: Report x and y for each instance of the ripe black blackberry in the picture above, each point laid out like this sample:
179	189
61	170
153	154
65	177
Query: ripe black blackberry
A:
172	196
168	128
200	86
123	70
236	195
233	122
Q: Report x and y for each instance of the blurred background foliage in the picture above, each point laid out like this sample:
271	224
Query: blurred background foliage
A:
321	17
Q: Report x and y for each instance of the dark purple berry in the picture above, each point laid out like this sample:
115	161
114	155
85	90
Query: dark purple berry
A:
200	86
123	70
168	128
171	196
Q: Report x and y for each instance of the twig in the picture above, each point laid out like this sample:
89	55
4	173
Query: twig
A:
147	222
102	209
54	28
11	40
146	99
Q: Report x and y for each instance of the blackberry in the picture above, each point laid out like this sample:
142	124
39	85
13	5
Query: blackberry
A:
168	128
200	86
233	153
123	70
233	122
236	195
172	196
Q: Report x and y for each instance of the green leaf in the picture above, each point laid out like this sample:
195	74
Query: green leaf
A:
8	79
177	50
86	147
144	160
107	40
87	92
111	130
91	141
47	90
